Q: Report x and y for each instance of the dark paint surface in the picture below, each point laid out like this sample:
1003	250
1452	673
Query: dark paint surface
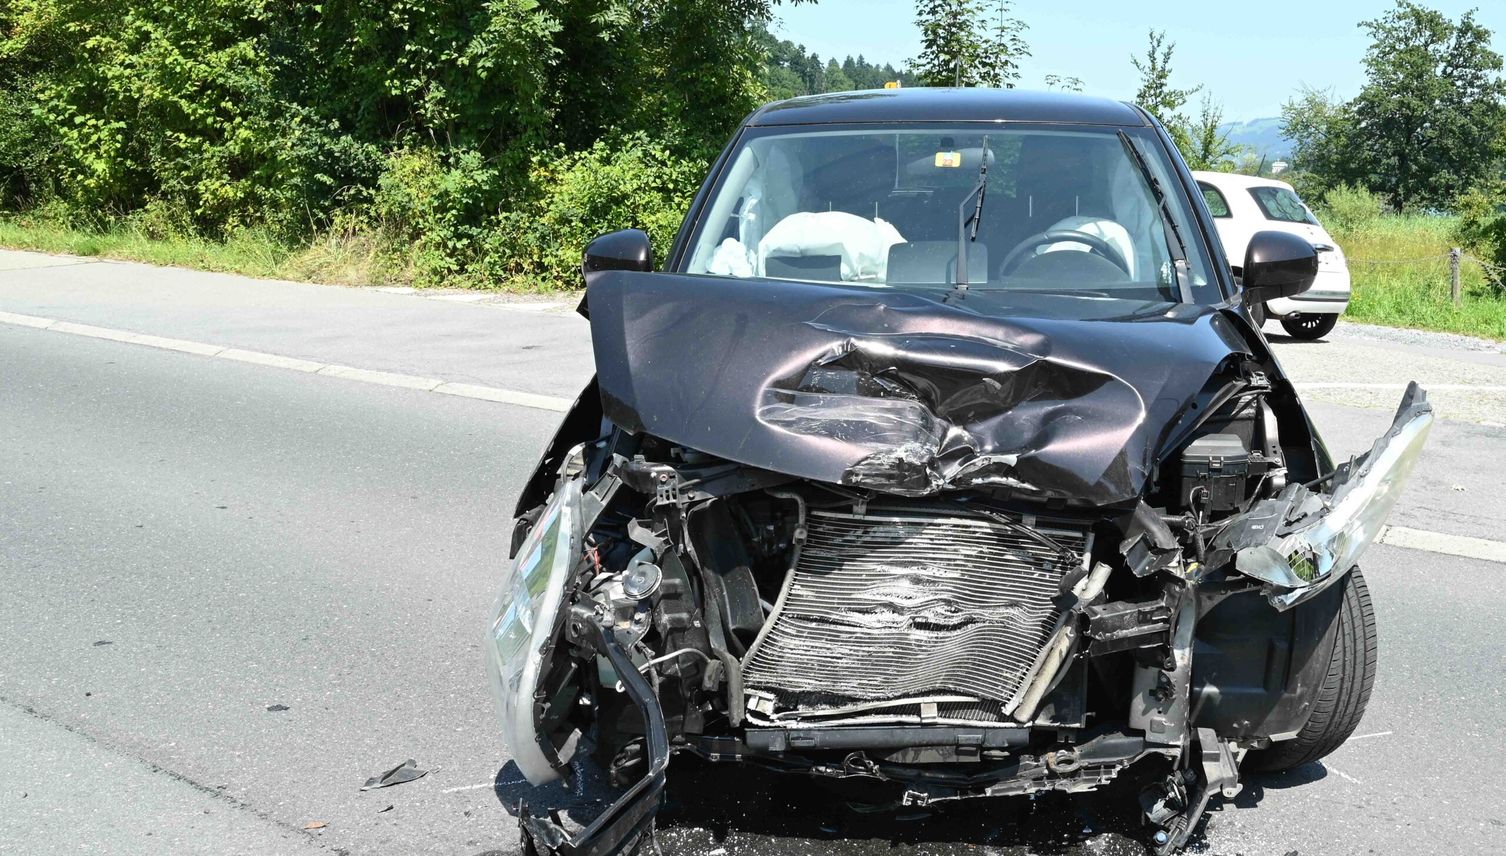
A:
1056	397
949	105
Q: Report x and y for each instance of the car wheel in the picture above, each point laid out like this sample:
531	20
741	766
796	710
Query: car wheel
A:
1308	325
1257	312
1345	691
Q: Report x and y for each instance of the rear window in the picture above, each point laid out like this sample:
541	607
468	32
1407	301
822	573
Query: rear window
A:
1282	203
1218	206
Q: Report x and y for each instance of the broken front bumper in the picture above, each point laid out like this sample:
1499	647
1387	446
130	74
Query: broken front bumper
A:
1302	541
631	817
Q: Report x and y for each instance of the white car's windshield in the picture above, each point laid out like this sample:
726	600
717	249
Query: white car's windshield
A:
1066	210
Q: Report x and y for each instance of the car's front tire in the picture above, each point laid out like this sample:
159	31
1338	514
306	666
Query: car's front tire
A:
1345	690
1309	325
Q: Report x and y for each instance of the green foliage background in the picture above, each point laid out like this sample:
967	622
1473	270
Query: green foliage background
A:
463	141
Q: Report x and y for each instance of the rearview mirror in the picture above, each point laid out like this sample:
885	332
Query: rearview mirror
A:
628	249
1278	264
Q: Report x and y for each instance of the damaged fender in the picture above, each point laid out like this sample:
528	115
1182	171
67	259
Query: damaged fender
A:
1301	541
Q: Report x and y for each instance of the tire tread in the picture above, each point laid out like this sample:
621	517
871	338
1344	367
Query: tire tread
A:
1346	688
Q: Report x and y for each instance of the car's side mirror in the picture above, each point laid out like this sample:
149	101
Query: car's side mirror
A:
1278	264
628	249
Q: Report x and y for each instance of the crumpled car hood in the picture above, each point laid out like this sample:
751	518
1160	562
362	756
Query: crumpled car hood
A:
904	392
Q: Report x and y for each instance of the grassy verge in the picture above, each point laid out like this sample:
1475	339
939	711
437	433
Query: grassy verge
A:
338	259
1400	269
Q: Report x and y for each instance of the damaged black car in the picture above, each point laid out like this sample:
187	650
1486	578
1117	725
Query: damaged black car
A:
942	454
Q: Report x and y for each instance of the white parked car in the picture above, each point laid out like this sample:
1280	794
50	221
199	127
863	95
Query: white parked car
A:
1243	205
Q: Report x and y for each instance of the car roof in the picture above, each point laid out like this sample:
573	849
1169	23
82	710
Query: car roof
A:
1233	179
948	105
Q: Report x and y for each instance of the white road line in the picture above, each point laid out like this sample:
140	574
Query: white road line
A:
1449	545
26	320
273	360
93	332
404	381
504	396
183	345
381	378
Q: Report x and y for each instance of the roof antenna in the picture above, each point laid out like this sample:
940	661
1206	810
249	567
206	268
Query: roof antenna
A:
957	78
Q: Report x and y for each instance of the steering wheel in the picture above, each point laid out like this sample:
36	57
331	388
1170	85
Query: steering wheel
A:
1060	236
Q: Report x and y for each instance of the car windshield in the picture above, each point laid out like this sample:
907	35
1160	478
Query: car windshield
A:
1066	210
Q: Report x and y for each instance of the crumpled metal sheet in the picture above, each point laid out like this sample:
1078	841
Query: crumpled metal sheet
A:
899	391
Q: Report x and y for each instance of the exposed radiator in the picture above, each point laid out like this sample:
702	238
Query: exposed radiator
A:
908	614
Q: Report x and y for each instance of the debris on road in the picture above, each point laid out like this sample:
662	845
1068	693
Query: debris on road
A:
401	774
277	708
315	824
103	642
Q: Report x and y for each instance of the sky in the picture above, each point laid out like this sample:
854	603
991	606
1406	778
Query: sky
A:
1250	57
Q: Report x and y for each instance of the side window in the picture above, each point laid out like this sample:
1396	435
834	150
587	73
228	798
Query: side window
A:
1218	206
1280	203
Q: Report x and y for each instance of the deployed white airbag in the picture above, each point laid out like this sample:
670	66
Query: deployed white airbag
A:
863	245
1112	233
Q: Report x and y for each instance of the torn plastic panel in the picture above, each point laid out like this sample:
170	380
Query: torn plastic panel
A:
630	818
1300	542
1055	397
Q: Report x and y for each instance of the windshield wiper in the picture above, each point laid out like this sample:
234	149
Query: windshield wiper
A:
967	224
1179	262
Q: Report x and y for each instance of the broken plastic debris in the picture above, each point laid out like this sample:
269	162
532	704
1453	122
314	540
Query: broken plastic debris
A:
315	824
388	808
402	773
102	643
277	708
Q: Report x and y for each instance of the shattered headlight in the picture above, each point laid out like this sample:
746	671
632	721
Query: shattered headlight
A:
1319	538
523	620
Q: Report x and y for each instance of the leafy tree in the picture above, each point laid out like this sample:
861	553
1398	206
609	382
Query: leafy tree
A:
837	79
1429	124
1066	83
789	71
969	43
1430	119
1322	130
1208	144
1156	93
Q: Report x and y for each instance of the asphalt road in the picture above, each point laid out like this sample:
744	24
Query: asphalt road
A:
188	545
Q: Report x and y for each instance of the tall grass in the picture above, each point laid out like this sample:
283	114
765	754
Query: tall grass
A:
1400	268
341	258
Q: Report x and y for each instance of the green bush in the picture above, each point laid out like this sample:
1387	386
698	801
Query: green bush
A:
629	182
1349	208
431	124
432	206
1481	229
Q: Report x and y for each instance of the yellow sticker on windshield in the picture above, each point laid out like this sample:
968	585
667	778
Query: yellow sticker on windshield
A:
948	160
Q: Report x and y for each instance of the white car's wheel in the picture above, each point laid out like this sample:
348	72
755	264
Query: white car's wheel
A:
1309	325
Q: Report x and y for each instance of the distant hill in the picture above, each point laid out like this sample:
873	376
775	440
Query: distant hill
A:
1262	135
